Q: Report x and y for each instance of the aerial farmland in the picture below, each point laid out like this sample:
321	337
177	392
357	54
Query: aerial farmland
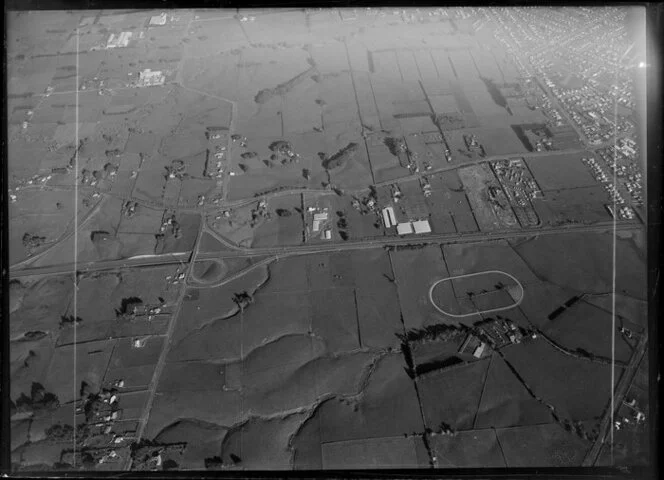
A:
326	239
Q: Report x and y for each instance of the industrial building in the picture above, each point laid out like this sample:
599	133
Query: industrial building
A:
122	40
417	227
422	226
404	228
319	219
388	217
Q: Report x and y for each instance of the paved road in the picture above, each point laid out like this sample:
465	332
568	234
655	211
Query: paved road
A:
563	111
152	387
151	261
619	395
70	229
412	239
568	151
234	251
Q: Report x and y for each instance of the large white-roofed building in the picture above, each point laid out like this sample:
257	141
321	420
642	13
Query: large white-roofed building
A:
404	228
422	226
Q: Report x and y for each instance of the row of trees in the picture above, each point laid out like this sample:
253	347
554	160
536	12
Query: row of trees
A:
340	158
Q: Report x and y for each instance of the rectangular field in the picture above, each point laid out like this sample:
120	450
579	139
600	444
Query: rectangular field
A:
386	452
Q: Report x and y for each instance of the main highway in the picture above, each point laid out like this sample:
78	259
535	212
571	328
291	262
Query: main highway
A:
234	251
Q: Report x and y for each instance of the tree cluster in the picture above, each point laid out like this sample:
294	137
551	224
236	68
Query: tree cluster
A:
39	400
340	158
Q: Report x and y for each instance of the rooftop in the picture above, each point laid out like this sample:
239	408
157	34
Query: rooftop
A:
404	228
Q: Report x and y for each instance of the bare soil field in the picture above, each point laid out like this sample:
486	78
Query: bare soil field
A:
468	449
563	380
453	395
522	446
506	402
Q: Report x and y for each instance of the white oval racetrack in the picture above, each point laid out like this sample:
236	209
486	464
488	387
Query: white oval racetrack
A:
516	303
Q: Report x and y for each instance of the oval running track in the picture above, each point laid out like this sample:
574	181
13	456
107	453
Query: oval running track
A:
479	312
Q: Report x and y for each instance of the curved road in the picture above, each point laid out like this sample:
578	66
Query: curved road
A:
515	304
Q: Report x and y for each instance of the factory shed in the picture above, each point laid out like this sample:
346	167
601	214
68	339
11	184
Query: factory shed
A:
404	228
422	226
